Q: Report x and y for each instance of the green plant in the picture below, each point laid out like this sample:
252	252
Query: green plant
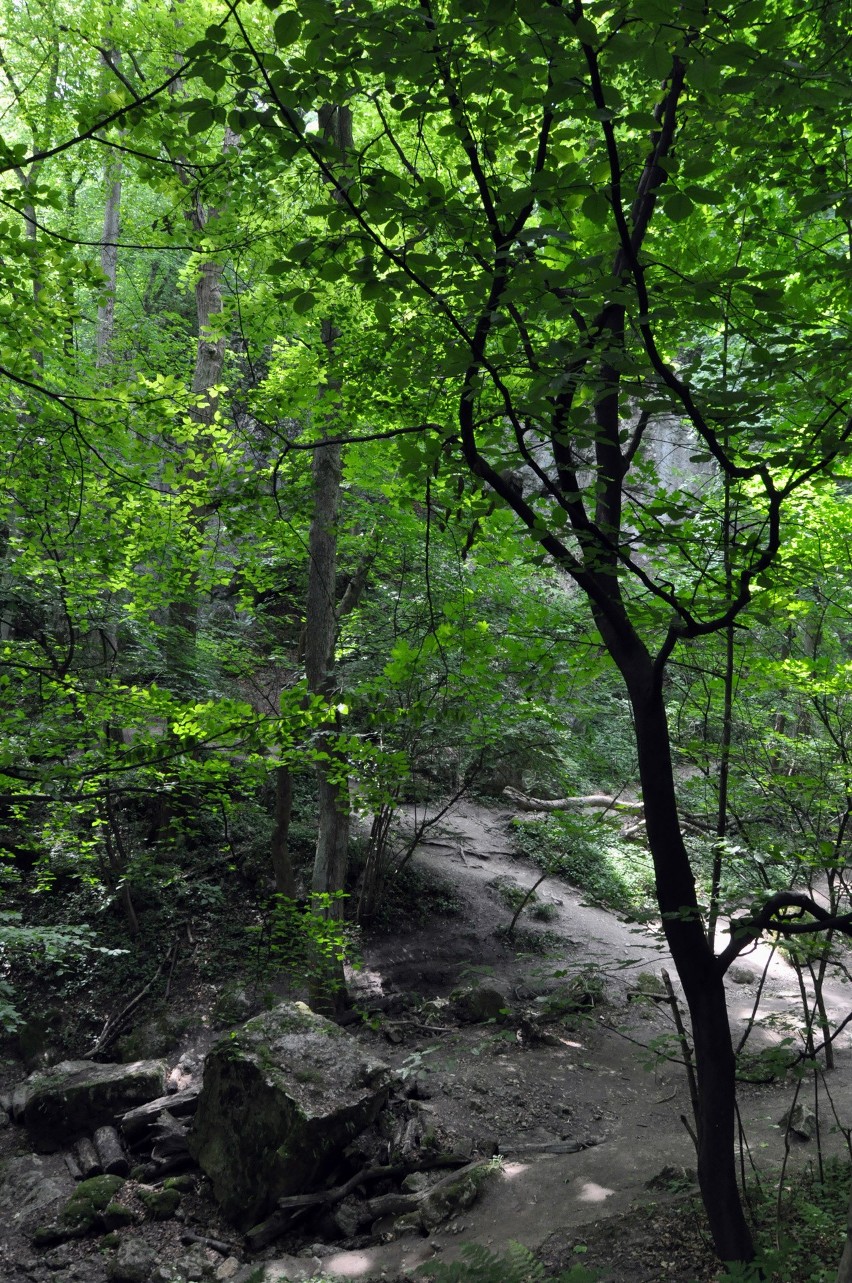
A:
587	853
303	945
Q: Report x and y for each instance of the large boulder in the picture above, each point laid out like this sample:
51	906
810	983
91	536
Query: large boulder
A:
75	1097
281	1097
29	1183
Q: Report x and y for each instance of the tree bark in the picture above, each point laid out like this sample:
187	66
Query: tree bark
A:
594	800
282	864
182	630
697	968
332	850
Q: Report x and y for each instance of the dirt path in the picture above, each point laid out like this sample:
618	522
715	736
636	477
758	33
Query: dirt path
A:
593	1084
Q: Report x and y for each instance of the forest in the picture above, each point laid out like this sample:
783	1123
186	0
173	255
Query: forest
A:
406	399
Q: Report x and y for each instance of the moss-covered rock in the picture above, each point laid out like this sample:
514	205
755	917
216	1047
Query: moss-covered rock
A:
281	1097
89	1199
184	1182
92	1206
160	1204
450	1197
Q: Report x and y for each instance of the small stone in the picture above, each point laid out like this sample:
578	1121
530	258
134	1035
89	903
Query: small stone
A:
477	1004
228	1268
58	1258
740	975
133	1262
409	1223
800	1122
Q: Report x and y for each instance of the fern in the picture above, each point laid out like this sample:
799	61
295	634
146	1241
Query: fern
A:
518	1265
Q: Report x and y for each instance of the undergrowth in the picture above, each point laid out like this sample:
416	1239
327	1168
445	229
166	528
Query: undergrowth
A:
588	853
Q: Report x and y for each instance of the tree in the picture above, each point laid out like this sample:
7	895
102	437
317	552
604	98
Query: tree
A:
592	212
569	233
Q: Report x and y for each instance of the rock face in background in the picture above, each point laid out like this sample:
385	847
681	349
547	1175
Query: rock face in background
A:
280	1099
72	1098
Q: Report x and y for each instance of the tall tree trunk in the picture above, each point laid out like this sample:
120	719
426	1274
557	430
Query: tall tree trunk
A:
331	858
332	850
182	629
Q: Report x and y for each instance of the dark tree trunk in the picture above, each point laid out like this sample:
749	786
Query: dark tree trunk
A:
282	864
697	968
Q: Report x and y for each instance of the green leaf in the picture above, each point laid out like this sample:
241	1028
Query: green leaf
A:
287	29
304	302
597	208
199	121
678	206
212	73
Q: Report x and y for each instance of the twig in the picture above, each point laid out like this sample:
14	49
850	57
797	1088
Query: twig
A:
175	950
217	1244
113	1024
687	1055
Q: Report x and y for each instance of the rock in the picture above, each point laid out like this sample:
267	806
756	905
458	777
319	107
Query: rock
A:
477	1004
281	1098
801	1122
350	1216
451	1196
160	1203
90	1198
229	1267
88	1208
28	1184
56	1105
673	1179
132	1263
117	1216
408	1223
152	1038
195	1265
741	976
283	1269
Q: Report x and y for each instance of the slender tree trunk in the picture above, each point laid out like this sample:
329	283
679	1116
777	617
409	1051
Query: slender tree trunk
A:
109	264
282	864
699	973
182	630
332	851
724	777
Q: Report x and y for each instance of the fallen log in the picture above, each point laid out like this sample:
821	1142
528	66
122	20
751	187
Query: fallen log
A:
136	1122
86	1158
109	1150
546	1146
291	1208
600	801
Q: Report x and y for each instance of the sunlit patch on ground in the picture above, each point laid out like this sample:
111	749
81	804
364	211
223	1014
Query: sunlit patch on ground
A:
590	1192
